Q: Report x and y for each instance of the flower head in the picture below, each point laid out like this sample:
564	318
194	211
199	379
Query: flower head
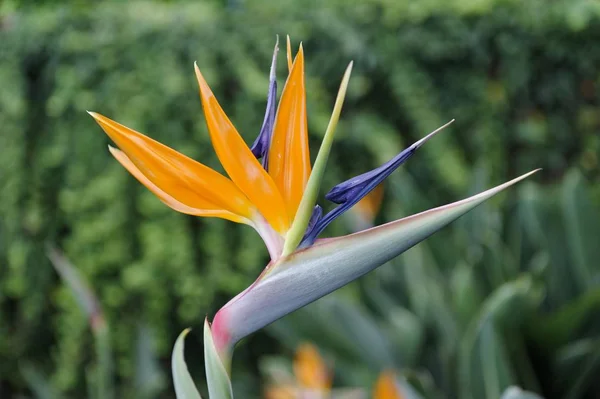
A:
277	197
265	196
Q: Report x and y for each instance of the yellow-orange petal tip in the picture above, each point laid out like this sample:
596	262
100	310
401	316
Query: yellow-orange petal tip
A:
204	88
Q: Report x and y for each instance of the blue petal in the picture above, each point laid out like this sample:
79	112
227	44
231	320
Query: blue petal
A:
315	217
348	193
260	147
313	223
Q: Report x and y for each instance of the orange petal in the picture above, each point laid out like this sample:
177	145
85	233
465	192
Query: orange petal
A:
289	158
182	183
239	162
206	209
310	369
385	387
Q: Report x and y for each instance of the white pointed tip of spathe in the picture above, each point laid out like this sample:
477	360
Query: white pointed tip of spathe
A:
517	179
526	175
419	143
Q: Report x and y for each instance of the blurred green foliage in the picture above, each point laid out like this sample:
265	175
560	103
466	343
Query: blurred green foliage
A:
520	78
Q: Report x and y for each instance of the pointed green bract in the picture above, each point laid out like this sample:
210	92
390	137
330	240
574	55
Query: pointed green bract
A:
309	198
309	274
184	385
217	378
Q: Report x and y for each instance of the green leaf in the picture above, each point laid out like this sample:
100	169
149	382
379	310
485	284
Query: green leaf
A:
485	369
217	378
341	325
466	296
406	332
149	379
577	366
38	383
557	328
184	385
581	223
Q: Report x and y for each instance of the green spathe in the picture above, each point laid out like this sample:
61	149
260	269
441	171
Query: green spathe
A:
307	275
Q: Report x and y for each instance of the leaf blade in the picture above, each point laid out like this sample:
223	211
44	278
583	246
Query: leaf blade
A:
184	385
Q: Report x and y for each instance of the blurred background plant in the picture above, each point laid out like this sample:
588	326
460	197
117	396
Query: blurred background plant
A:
506	296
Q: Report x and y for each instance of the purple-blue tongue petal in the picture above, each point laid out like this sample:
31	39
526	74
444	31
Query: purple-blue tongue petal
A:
315	217
260	147
348	193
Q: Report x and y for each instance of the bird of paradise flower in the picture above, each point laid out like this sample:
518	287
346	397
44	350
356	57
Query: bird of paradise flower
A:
277	197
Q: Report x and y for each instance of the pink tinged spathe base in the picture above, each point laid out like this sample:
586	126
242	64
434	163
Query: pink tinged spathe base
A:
221	336
220	325
305	276
217	365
